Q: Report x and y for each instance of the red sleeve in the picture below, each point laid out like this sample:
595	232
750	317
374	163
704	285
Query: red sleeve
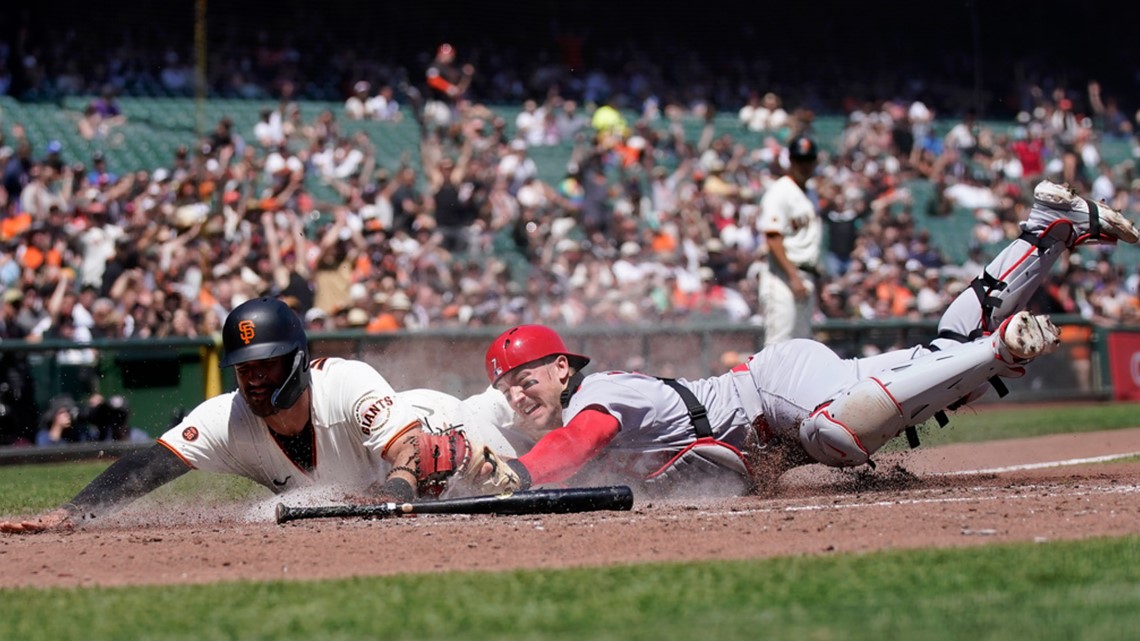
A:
561	453
438	82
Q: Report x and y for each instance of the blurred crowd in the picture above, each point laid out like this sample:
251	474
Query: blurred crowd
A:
644	226
647	224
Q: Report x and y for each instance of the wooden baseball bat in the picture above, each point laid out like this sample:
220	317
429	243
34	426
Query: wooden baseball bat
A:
554	501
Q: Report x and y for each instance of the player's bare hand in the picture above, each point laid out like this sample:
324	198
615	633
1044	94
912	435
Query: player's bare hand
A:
59	519
799	289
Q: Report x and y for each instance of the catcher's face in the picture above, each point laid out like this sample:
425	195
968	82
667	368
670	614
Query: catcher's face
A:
534	392
257	380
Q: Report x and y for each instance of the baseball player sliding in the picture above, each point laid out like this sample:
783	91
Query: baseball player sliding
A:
292	423
795	402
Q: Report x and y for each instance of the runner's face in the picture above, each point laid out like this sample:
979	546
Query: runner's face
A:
534	392
257	380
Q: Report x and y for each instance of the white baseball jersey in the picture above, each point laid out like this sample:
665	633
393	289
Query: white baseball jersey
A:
786	210
355	413
486	418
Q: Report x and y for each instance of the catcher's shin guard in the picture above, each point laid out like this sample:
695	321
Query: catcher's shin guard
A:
847	430
1006	284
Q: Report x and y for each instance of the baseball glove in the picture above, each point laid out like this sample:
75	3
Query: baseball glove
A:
453	453
439	456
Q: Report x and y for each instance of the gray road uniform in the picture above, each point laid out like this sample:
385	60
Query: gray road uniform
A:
841	411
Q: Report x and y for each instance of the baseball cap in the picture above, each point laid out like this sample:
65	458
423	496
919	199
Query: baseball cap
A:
802	148
357	317
314	314
400	301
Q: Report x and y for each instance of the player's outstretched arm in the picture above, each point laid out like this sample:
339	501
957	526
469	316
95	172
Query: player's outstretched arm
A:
127	479
561	453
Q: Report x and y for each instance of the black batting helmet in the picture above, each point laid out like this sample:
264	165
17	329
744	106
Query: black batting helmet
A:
264	328
802	148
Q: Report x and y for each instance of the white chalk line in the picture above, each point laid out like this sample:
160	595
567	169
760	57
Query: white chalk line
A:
1024	492
988	491
1117	489
1038	466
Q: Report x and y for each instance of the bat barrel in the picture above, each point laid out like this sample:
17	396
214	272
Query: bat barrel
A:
557	501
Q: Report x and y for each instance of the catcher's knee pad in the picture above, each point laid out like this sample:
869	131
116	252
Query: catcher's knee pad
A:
707	466
846	431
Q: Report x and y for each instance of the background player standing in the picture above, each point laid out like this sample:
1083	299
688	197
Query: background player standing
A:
794	234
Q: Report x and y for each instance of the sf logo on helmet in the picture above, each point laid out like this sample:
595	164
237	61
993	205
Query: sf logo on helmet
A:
245	331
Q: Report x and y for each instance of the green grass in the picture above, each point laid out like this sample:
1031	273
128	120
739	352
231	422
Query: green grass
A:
969	425
1087	590
39	487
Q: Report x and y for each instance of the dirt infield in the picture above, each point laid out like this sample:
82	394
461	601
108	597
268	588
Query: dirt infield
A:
1056	487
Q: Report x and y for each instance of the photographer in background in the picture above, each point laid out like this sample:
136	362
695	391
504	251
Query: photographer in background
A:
108	419
60	423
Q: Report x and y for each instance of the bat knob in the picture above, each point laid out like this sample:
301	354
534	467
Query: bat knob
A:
282	513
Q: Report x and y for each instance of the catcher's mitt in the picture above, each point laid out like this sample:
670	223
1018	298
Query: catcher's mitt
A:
438	457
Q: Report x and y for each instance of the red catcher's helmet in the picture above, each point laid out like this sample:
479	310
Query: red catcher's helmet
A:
520	345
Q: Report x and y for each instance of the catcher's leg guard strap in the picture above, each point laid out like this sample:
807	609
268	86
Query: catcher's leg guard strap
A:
1005	285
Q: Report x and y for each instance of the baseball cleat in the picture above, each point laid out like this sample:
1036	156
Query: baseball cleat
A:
1055	201
1026	336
